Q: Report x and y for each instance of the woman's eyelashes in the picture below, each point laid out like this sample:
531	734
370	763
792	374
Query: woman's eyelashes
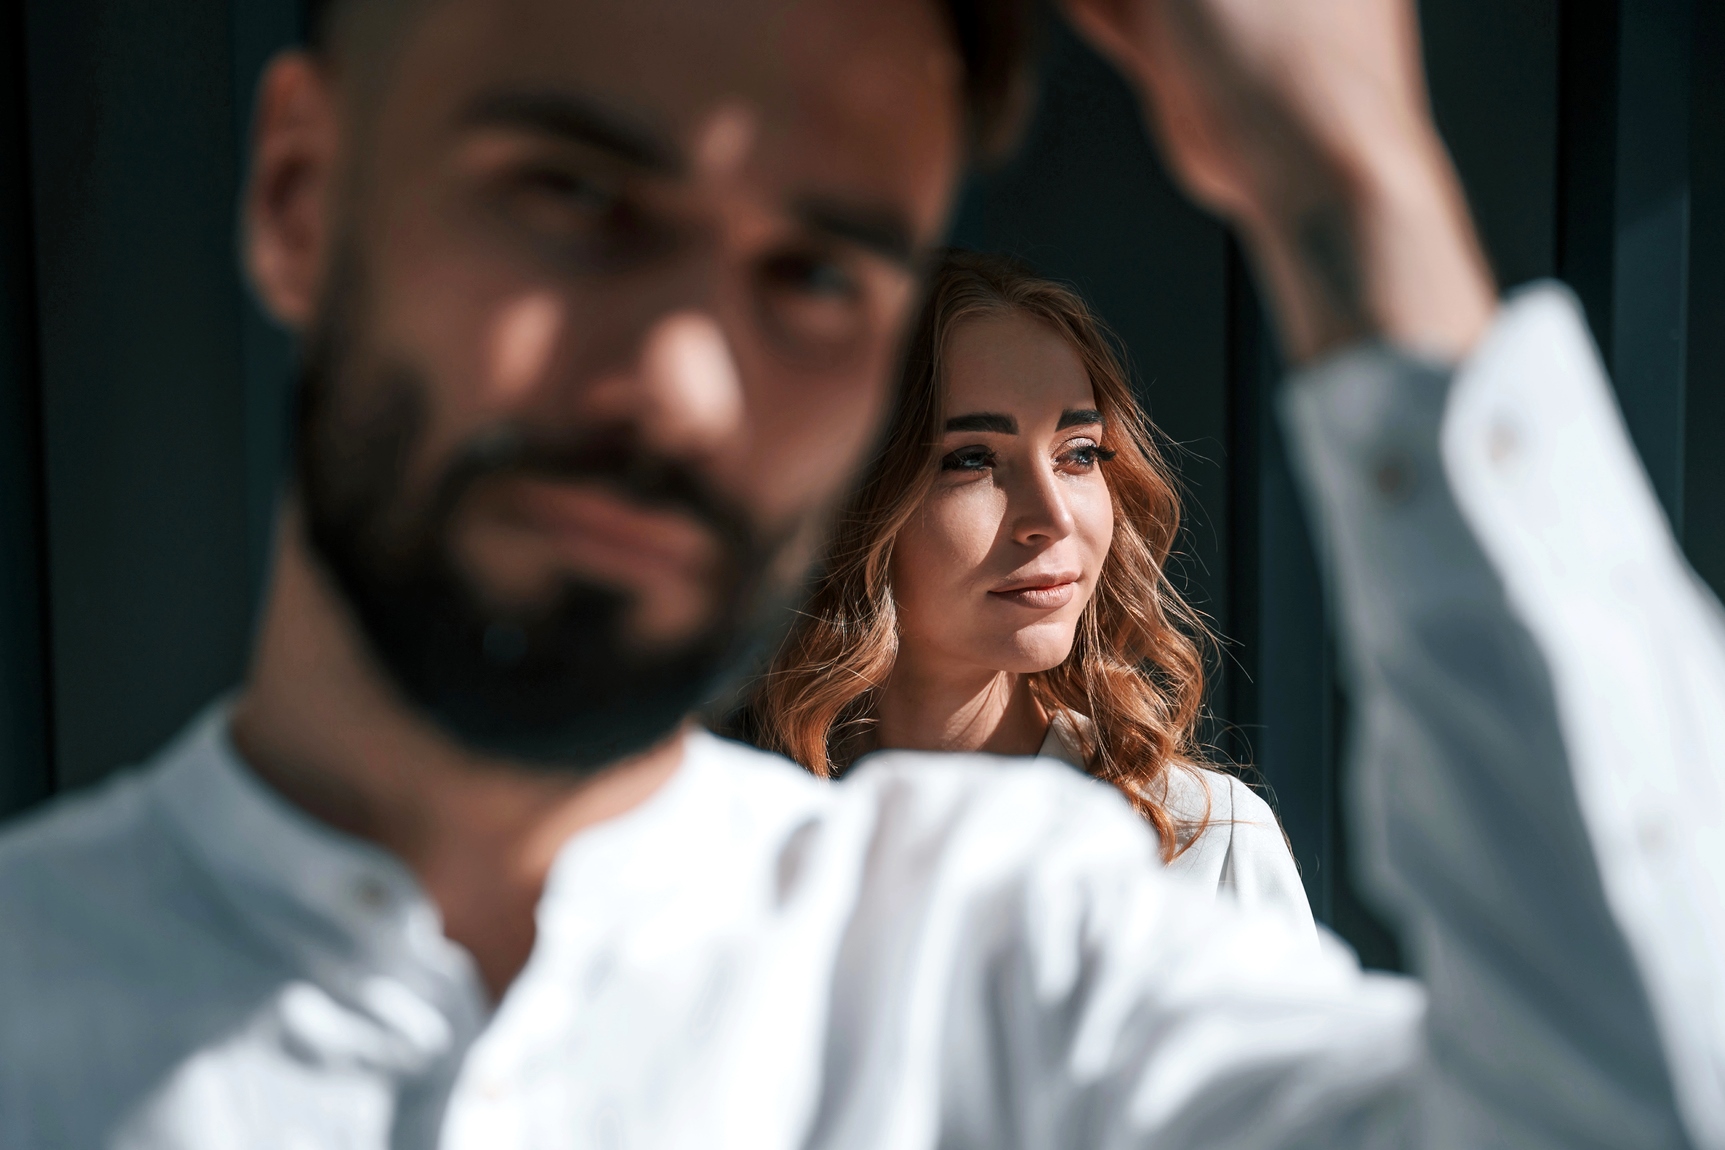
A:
973	458
1084	455
1077	456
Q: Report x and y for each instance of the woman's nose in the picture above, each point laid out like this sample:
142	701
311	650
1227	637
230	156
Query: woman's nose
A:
1039	509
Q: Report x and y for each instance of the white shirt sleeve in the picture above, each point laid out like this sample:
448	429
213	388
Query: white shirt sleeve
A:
1539	779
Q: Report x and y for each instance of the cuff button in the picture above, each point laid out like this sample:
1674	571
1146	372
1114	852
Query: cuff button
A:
1393	476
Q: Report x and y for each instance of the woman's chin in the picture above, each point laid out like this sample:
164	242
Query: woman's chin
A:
1032	653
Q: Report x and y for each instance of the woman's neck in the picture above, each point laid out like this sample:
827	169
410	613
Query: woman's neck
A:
928	706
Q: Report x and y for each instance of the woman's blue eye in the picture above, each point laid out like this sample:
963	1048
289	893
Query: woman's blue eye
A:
968	459
1090	455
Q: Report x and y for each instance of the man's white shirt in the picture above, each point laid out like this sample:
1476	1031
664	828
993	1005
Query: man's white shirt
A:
952	951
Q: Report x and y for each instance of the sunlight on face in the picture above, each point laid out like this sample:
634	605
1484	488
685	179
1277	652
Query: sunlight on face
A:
999	562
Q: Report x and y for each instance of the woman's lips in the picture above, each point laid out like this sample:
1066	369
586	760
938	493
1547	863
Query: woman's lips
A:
1042	597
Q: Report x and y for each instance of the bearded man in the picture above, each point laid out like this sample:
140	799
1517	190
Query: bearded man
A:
600	306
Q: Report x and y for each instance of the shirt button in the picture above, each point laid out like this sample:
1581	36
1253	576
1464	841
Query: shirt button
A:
1502	443
1393	476
371	892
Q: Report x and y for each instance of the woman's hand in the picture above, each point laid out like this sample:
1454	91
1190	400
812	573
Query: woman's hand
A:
1305	124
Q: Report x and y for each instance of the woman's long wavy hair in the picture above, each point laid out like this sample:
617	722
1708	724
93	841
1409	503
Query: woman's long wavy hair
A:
1135	671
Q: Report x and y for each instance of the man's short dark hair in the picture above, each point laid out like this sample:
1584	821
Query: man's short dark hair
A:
997	39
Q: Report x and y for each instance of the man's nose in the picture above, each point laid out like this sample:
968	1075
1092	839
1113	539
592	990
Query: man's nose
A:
682	392
1039	509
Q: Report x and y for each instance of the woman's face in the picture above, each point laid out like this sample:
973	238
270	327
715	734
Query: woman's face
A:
998	563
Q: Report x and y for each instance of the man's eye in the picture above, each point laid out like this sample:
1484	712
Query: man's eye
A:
814	307
578	217
572	188
810	275
968	459
555	199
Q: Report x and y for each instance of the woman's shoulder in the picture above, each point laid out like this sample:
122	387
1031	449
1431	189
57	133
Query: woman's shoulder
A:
1240	848
1193	794
1226	836
1201	793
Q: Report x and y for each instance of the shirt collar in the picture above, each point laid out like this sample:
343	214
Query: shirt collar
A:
335	902
340	914
347	911
1063	743
267	852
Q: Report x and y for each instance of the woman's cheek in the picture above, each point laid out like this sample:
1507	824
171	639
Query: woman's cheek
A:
1097	526
928	566
957	527
918	564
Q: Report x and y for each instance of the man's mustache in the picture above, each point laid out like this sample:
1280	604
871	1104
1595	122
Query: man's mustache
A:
615	459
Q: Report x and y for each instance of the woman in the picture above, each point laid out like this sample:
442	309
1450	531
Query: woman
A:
997	584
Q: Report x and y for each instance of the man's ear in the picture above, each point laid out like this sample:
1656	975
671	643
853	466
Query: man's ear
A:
296	144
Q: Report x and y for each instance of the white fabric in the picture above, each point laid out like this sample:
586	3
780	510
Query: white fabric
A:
204	967
1240	854
953	951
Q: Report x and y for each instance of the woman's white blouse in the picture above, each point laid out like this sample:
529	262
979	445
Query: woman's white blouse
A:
1241	853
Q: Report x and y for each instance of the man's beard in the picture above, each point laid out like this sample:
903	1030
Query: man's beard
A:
564	683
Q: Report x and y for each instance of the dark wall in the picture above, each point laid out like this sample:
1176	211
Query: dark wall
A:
146	359
142	396
134	164
25	719
1704	367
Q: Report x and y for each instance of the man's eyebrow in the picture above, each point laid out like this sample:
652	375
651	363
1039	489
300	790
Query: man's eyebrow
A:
579	121
882	230
984	421
1078	417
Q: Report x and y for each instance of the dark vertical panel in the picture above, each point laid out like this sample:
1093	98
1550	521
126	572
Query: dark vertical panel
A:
1587	157
1353	913
1251	375
1703	520
1651	260
1624	224
1284	699
1297	746
1086	201
132	128
1493	70
25	764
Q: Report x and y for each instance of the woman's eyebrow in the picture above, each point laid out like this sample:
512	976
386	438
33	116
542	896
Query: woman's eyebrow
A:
1078	417
984	421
